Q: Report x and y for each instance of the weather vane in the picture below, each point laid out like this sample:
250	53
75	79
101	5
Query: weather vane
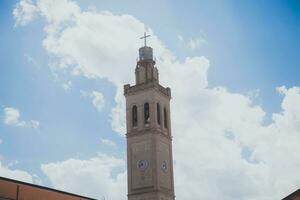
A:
144	37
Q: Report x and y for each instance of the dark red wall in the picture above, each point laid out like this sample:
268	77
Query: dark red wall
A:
9	190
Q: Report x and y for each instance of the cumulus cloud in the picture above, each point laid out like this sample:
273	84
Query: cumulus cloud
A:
232	154
15	174
96	173
220	165
24	12
12	118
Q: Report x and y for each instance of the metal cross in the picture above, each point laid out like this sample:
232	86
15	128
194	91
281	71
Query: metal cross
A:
144	37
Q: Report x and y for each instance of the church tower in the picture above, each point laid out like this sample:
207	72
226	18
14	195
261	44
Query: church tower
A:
149	140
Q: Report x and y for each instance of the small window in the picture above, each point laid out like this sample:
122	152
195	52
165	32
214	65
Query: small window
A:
134	116
165	118
146	113
158	113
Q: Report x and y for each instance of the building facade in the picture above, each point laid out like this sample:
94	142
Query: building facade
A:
18	190
149	139
294	196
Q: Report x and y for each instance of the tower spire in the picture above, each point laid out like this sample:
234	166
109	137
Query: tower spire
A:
145	38
146	52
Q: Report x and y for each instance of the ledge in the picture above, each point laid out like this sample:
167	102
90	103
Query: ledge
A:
130	90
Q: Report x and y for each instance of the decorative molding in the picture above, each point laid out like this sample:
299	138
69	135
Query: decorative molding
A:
131	90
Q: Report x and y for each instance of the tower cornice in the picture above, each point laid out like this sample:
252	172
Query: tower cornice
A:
131	90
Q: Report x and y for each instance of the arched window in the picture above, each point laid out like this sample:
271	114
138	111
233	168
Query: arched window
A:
158	113
165	118
146	113
134	116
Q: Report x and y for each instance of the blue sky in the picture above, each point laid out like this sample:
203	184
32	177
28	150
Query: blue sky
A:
31	88
252	48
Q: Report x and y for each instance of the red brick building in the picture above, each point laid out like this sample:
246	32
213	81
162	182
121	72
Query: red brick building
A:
294	196
18	190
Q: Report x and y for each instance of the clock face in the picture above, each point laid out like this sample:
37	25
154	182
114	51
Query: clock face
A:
164	166
142	165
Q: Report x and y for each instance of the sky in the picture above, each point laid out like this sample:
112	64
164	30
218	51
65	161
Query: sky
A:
233	67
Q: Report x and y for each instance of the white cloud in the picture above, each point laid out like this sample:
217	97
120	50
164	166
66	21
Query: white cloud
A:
92	44
24	12
15	174
254	94
108	142
31	60
12	118
13	163
1	141
58	11
67	86
180	38
97	174
218	165
232	155
98	100
84	94
193	43
196	43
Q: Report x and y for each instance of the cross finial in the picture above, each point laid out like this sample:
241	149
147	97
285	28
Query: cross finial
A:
144	37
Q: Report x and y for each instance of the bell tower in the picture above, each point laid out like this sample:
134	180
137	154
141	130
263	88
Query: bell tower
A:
149	140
